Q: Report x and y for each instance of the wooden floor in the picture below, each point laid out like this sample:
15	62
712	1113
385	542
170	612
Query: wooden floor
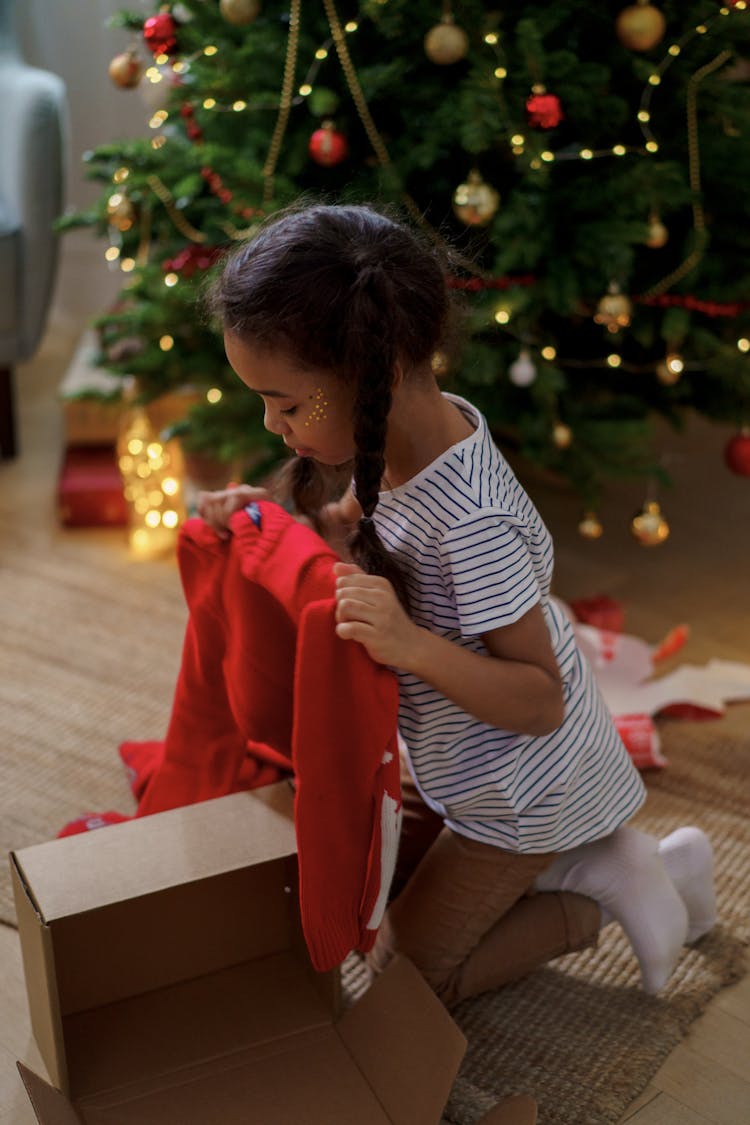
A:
707	1078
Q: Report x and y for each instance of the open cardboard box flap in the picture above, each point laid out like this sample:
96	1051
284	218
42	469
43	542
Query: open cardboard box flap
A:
169	984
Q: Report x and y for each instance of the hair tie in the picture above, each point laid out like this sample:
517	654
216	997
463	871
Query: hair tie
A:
366	521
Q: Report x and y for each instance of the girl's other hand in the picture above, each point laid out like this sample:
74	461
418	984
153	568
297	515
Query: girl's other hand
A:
216	508
369	611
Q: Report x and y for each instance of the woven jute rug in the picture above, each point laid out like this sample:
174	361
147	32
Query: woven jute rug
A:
89	651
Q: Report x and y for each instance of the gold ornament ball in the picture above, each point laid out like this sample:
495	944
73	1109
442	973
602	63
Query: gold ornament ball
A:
475	202
590	526
126	70
614	310
658	234
440	364
239	12
640	26
562	435
445	43
649	527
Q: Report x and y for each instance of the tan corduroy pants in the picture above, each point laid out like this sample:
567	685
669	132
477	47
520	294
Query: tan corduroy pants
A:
466	913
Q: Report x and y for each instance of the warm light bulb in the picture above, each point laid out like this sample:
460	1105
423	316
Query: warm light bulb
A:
491	38
213	395
209	103
112	253
170	486
619	150
135	446
501	72
170	518
166	343
614	360
152	518
210	50
127	265
305	89
239	105
171	280
743	344
549	352
321	53
517	139
586	154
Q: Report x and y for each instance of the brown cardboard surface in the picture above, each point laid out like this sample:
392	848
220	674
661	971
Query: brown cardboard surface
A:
39	971
153	853
400	1019
222	1013
171	986
50	1106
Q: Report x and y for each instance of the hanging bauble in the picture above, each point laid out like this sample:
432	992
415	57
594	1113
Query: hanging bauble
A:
670	369
126	70
440	364
737	453
649	526
562	435
590	526
640	26
614	310
475	202
328	146
657	233
522	371
446	43
120	211
239	12
160	33
322	102
543	110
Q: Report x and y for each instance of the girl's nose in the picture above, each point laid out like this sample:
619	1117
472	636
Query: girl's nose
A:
274	423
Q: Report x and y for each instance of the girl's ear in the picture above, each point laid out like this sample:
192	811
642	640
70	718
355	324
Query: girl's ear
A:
398	375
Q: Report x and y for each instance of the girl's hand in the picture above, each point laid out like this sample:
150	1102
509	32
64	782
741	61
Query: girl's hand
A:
216	508
368	611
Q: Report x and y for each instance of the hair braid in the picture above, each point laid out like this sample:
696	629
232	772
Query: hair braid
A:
373	356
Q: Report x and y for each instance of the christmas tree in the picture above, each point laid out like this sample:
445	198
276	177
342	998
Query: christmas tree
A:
587	163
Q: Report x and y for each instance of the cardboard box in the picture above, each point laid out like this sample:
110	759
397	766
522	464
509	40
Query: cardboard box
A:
169	984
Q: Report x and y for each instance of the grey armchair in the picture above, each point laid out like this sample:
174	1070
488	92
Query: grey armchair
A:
33	121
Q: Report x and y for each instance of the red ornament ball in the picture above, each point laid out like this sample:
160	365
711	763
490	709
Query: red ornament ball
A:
737	453
160	33
328	146
544	110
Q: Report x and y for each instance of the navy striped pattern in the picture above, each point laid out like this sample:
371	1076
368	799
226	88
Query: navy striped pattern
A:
478	556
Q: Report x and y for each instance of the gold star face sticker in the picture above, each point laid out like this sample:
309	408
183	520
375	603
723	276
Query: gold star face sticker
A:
318	412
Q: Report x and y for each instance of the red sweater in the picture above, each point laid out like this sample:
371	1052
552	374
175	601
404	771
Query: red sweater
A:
262	666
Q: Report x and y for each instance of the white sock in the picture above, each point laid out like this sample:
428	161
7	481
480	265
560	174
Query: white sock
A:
689	859
626	876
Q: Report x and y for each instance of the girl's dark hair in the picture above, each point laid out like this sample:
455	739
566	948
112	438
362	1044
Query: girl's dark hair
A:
349	290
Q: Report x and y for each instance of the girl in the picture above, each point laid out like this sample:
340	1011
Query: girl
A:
517	781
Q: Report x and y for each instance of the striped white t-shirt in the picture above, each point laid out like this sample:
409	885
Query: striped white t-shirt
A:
476	556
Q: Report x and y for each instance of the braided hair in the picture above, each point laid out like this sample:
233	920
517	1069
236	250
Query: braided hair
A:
349	290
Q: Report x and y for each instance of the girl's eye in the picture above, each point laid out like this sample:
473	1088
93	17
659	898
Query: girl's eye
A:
289	411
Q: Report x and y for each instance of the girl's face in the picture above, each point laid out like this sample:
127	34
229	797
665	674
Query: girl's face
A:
310	411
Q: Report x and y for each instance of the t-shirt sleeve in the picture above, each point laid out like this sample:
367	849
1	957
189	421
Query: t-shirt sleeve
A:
486	561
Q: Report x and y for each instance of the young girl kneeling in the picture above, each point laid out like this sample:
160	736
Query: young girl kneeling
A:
517	789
